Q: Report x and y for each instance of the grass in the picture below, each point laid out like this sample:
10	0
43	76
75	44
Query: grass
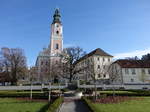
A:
14	105
141	105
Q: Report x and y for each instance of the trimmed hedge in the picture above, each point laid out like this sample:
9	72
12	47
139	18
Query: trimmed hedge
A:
90	105
128	93
55	105
23	94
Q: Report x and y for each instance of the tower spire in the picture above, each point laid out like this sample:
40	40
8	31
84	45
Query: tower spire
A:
56	16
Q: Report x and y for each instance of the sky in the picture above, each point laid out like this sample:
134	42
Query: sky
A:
119	27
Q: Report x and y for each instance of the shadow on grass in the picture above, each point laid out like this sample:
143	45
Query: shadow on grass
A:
44	108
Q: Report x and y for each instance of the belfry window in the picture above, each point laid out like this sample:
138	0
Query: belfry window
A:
57	32
57	46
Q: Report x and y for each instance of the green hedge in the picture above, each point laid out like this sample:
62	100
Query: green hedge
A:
90	105
55	105
129	93
35	94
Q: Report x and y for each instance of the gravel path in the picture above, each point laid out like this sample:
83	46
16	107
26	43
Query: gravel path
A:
73	104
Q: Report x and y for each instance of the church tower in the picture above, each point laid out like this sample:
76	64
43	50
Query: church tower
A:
56	37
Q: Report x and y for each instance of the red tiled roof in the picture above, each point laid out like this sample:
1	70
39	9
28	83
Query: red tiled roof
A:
133	63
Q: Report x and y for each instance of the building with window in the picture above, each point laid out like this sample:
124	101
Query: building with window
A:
132	72
51	55
94	64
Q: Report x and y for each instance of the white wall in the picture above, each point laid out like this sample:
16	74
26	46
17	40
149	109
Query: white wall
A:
138	77
103	62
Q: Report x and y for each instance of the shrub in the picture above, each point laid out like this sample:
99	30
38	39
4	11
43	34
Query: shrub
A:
55	105
64	90
117	99
127	93
36	94
102	96
90	105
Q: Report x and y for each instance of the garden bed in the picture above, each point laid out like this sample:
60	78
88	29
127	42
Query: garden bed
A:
120	104
116	99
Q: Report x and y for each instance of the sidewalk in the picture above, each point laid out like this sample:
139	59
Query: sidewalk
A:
73	104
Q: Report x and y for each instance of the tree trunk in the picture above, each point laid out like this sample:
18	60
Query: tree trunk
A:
49	93
113	91
95	89
31	91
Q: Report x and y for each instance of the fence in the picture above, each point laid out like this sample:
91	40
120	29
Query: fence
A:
34	87
127	86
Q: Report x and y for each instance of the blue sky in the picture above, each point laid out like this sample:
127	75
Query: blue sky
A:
120	27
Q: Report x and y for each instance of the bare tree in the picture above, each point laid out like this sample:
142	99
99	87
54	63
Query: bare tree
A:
114	75
33	74
146	57
96	73
14	61
69	57
133	58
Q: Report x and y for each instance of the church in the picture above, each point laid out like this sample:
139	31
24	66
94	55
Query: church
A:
51	55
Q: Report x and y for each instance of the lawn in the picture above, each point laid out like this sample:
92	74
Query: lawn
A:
141	105
15	105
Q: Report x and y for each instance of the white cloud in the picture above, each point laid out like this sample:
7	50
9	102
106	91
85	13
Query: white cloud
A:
137	53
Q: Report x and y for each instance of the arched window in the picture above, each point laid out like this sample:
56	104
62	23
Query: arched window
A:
57	32
57	46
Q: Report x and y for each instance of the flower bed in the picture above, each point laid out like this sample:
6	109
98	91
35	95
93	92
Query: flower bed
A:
133	104
116	99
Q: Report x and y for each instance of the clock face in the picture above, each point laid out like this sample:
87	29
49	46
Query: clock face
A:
57	30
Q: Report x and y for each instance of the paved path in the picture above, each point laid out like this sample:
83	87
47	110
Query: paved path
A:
73	104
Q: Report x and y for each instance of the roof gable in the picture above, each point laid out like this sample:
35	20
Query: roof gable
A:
97	51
